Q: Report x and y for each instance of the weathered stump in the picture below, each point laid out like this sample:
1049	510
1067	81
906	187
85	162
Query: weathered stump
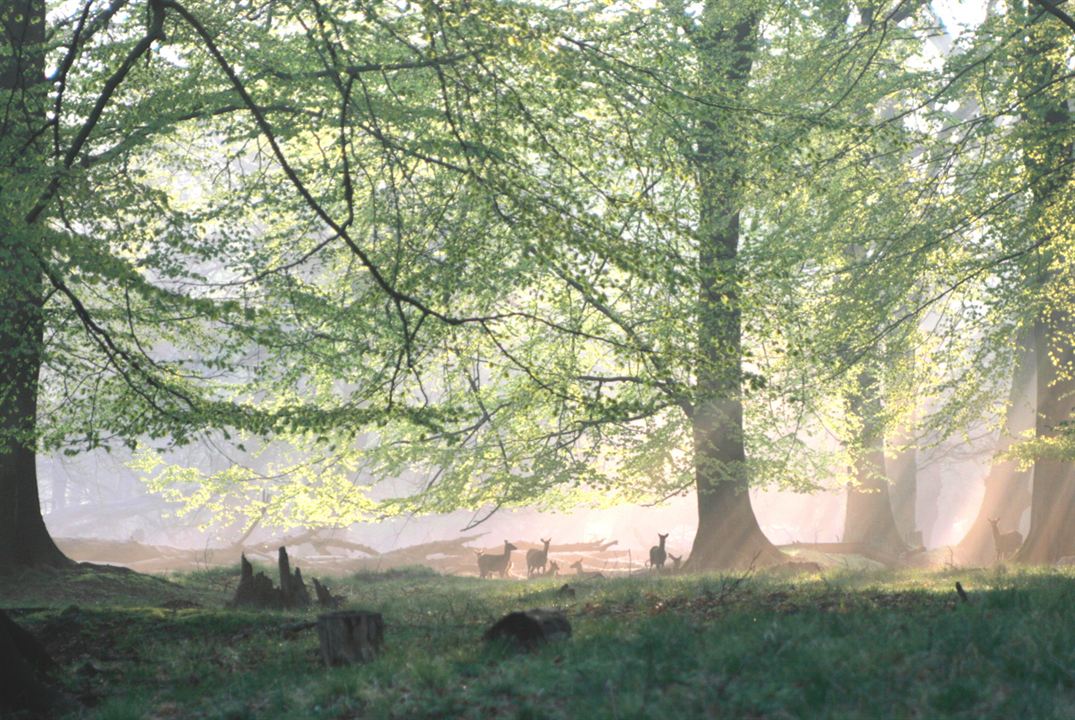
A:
350	636
324	598
258	591
23	663
254	590
531	628
293	593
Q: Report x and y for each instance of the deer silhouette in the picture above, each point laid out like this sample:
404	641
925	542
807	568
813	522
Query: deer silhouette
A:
537	559
1006	544
657	554
489	564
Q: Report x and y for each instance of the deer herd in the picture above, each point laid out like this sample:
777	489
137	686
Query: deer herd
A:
539	565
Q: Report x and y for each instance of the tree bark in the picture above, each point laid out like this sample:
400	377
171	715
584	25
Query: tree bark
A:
24	539
728	533
1047	156
1052	509
868	518
902	472
350	636
1007	488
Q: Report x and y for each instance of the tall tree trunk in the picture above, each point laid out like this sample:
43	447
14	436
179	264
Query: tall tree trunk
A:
1047	158
728	533
1052	509
902	471
1007	487
902	468
868	518
24	540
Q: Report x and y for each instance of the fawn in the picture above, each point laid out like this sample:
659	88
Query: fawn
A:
579	572
657	554
500	564
675	562
1005	543
554	569
537	559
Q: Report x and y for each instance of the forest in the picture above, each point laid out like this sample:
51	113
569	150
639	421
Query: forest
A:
592	301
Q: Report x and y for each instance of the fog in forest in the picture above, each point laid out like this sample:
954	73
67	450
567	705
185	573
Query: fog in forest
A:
97	496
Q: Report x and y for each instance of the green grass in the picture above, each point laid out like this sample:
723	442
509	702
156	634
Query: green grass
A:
846	645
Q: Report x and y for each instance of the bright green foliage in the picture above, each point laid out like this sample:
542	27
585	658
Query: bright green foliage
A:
462	240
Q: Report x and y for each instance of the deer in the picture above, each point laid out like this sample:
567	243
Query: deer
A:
554	569
500	564
579	572
675	562
537	559
1005	543
657	554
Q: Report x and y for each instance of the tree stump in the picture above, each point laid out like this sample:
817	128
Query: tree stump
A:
324	598
350	636
258	591
531	628
293	592
23	663
254	590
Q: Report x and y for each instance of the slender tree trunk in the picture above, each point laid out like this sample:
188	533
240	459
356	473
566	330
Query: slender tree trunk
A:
728	532
1047	156
24	540
1007	488
868	518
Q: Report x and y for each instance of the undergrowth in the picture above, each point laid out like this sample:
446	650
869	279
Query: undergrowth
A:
852	644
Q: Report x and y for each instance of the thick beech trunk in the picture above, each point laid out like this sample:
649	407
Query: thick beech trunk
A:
728	533
1047	125
868	518
1007	487
24	540
1052	509
902	472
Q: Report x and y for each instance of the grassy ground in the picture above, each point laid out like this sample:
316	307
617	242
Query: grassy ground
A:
839	645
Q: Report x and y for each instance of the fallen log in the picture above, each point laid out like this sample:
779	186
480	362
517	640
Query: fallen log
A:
867	551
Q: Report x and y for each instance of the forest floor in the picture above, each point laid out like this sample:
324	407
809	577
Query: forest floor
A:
859	644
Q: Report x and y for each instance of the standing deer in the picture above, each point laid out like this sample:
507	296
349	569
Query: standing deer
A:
1005	543
657	554
537	559
489	564
675	562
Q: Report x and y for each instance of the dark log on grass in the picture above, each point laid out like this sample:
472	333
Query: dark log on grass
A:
350	636
531	628
23	664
